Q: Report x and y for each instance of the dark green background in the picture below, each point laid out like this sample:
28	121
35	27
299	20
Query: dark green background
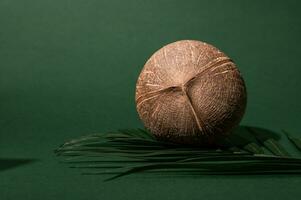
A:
69	68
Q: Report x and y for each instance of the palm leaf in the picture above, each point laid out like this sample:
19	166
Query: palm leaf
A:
268	140
243	139
275	147
218	167
130	151
294	140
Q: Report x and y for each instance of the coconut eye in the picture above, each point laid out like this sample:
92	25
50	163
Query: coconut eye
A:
189	92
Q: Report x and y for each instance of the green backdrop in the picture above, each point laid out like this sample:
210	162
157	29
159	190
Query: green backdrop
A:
69	68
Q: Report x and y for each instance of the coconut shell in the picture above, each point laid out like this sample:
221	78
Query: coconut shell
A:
190	93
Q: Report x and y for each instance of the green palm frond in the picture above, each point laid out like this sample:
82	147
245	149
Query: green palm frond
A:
294	140
269	141
130	151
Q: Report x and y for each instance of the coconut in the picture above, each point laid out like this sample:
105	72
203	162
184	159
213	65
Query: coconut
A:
190	93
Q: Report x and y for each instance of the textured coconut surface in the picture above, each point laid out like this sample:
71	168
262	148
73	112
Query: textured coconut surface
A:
69	68
189	92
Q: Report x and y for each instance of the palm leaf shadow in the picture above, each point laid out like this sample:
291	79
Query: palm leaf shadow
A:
9	163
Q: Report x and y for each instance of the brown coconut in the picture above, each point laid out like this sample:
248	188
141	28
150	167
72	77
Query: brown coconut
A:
190	93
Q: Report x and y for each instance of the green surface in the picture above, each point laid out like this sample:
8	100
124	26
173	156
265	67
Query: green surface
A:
69	68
